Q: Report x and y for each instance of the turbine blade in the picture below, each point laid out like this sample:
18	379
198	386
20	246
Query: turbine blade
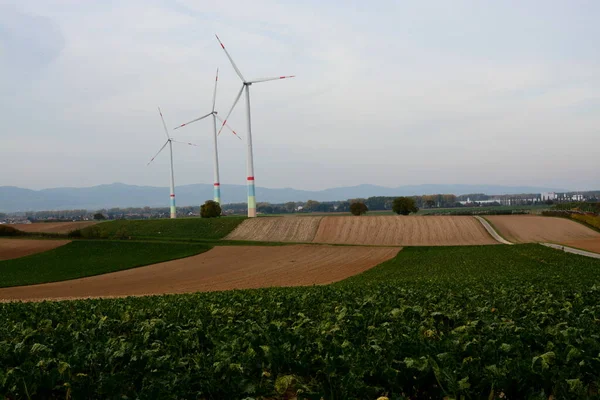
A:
188	143
228	127
272	79
232	107
161	149
194	120
231	60
164	125
215	92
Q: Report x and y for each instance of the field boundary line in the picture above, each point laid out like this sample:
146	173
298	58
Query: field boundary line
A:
572	250
488	227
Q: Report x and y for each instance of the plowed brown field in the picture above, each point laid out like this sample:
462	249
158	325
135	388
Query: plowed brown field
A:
532	228
277	229
592	245
53	227
403	231
15	248
222	268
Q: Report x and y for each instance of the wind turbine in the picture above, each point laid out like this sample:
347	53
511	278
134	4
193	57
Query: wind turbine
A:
215	115
249	160
169	142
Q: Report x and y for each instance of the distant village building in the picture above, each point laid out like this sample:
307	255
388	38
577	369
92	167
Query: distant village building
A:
548	196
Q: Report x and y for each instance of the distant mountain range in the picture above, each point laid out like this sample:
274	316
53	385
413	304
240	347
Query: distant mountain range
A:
14	199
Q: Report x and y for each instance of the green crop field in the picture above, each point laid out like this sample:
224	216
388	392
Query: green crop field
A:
182	229
86	258
510	322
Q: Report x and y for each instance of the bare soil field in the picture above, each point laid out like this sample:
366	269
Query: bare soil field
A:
531	229
592	245
277	229
53	227
15	248
222	268
403	231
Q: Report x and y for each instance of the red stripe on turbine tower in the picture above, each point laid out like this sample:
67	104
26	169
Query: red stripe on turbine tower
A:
217	184
172	195
250	178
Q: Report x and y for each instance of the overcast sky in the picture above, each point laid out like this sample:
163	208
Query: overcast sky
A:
388	93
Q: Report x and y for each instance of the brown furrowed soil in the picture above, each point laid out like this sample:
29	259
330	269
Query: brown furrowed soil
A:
53	227
222	268
277	229
592	245
15	248
532	228
403	231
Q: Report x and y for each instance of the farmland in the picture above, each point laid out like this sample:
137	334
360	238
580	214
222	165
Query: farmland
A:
478	321
12	248
86	258
528	228
219	269
53	227
180	229
367	230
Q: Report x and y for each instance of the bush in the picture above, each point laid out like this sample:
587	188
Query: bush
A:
76	234
358	208
210	209
99	217
404	205
9	231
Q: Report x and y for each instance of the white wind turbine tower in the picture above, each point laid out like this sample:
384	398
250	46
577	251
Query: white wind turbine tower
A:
217	182
169	142
250	160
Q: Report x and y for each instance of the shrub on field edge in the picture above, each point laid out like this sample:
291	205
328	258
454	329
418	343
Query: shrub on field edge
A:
9	231
358	208
210	209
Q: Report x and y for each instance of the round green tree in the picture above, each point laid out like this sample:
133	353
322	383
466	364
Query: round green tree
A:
358	208
404	205
210	209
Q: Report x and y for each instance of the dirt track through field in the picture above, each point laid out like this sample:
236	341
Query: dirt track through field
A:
277	229
532	228
15	248
403	231
222	268
53	227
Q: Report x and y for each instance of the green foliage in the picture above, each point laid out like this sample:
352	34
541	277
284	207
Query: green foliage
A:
593	207
358	208
455	322
591	220
183	228
404	205
10	231
210	209
99	217
86	258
